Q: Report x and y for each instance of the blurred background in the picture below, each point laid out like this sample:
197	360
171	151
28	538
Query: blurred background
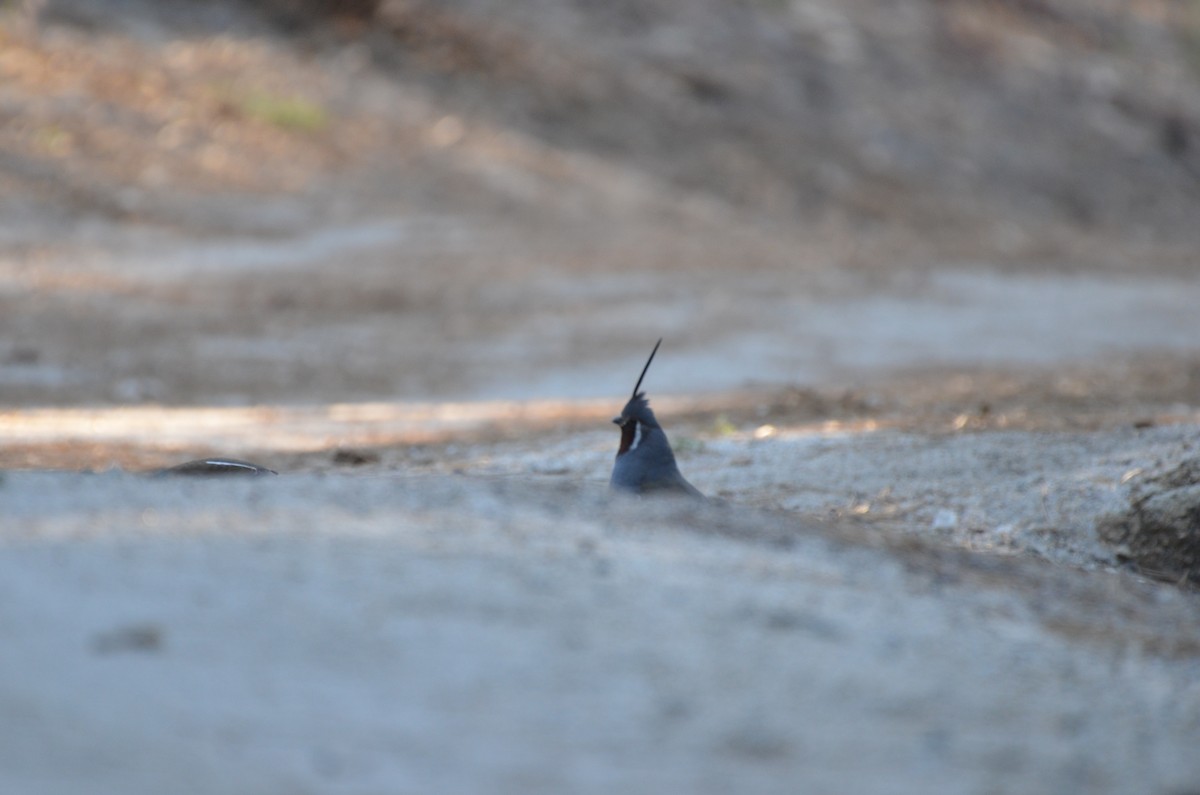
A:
299	202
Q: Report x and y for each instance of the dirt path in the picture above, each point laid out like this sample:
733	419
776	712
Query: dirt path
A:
525	637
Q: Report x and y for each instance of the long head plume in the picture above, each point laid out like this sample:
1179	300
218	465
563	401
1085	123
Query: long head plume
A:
638	385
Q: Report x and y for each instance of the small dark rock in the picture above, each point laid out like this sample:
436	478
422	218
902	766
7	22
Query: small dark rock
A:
790	621
144	638
1174	135
24	355
354	458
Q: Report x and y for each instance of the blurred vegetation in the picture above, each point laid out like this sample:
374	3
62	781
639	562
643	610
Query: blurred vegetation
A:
722	426
291	113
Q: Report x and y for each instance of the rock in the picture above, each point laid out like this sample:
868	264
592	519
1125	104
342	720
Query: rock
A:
1160	534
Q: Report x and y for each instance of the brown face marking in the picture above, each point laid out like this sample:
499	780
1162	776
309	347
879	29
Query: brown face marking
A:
627	429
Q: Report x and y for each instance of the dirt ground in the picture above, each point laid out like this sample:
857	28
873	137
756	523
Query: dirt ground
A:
204	204
926	275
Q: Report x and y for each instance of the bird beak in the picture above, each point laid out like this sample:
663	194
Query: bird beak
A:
616	420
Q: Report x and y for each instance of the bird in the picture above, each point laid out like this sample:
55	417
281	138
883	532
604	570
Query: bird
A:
645	462
207	467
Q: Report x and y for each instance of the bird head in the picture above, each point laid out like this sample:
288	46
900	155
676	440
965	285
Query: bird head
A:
637	414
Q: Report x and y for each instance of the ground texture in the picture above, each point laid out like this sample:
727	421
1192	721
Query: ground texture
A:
926	274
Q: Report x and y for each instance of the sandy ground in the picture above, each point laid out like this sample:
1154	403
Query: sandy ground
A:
367	634
423	317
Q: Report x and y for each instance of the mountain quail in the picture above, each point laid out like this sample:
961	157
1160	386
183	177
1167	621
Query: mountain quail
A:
217	466
645	463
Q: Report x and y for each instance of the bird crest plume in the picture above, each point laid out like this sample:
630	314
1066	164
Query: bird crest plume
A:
638	385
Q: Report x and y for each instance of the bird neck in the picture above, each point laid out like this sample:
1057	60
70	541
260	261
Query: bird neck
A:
632	434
